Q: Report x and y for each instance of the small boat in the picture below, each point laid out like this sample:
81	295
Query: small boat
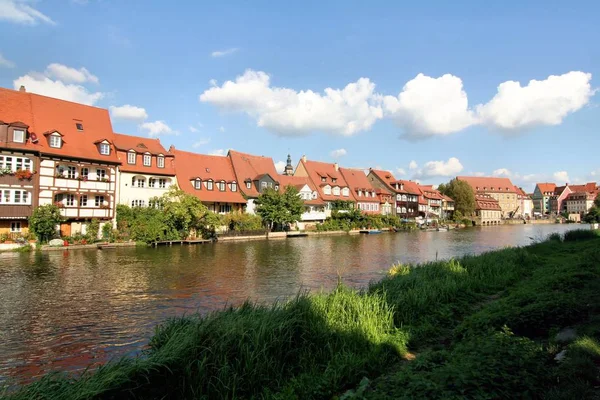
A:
442	229
370	231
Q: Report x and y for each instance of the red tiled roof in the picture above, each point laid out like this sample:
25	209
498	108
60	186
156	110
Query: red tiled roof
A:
484	202
520	191
190	166
141	145
317	170
488	184
248	166
546	187
299	182
386	177
358	181
46	115
588	187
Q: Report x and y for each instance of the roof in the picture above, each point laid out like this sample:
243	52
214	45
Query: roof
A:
546	187
45	115
588	187
358	181
520	191
485	202
125	143
430	193
249	167
299	182
409	187
190	166
319	170
488	183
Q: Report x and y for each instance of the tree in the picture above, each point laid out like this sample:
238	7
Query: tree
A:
593	216
183	213
279	208
463	195
597	201
44	220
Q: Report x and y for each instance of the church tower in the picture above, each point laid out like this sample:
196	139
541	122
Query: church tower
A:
289	170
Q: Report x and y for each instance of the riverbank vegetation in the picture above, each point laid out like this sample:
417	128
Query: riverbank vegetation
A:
486	327
344	217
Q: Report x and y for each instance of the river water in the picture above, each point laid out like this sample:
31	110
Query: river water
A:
67	310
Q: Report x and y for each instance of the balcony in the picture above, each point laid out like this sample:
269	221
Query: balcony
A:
314	216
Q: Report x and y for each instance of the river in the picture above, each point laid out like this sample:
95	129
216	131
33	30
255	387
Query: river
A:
67	310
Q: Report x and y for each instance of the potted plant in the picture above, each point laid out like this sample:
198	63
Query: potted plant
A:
59	175
24	174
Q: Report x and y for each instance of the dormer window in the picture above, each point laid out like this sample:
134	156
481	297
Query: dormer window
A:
147	160
209	185
160	162
55	141
198	184
79	126
19	136
222	186
233	186
334	180
276	187
104	149
131	157
323	179
248	185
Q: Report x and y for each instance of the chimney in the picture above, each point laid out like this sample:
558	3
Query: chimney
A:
22	89
171	148
336	166
303	158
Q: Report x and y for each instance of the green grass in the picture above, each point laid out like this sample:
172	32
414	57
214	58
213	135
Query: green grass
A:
478	327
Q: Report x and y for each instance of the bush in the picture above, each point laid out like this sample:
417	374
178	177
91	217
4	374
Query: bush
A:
107	231
580	234
92	229
44	220
239	221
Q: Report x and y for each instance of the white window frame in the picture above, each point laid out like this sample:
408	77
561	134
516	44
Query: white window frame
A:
248	185
198	184
55	141
105	149
71	171
83	200
209	184
84	172
234	186
162	183
15	227
160	162
98	200
327	190
336	191
21	135
131	157
345	192
15	163
100	173
152	182
70	200
222	186
147	160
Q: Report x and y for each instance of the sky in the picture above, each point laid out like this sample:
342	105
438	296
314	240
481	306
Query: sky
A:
428	90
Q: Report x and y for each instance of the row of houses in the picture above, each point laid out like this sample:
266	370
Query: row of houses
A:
575	200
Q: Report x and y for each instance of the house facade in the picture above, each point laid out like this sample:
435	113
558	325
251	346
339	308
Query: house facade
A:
406	193
365	194
541	197
579	203
500	189
487	210
447	207
327	178
314	206
386	201
147	170
210	178
525	209
77	159
561	193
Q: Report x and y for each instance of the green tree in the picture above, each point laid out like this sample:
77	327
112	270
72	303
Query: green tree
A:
184	213
279	208
44	220
463	195
597	201
593	216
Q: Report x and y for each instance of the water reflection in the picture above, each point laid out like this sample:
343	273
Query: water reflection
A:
66	310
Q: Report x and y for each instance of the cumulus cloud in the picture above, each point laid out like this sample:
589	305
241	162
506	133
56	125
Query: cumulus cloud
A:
193	129
561	177
20	12
413	165
434	169
219	152
478	174
280	166
429	106
128	113
200	143
40	84
157	128
338	153
502	172
545	102
222	53
288	112
70	75
400	171
5	62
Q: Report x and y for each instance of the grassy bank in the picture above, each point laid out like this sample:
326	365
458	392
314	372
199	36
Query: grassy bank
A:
476	327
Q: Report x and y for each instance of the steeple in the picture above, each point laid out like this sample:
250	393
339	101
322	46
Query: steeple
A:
289	170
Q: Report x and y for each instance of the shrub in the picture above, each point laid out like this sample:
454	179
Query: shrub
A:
44	220
580	234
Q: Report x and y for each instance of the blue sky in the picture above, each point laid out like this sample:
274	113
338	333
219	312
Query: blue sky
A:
429	97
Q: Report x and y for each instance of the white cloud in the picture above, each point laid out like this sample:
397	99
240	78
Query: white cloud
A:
502	172
157	128
212	82
400	171
429	106
193	129
128	113
545	102
561	177
5	62
219	152
288	112
478	174
433	169
413	165
200	143
222	129
70	75
222	53
338	153
20	12
36	83
280	166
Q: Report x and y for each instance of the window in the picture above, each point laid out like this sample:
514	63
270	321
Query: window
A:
147	160
276	187
70	200
336	191
222	186
99	201
85	173
234	187
263	185
323	179
152	182
79	126
225	208
71	172
160	162
137	203
327	190
104	149
19	136
346	192
162	183
83	200
141	182
198	184
248	185
55	141
131	156
359	193
209	185
15	163
15	226
334	180
100	174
